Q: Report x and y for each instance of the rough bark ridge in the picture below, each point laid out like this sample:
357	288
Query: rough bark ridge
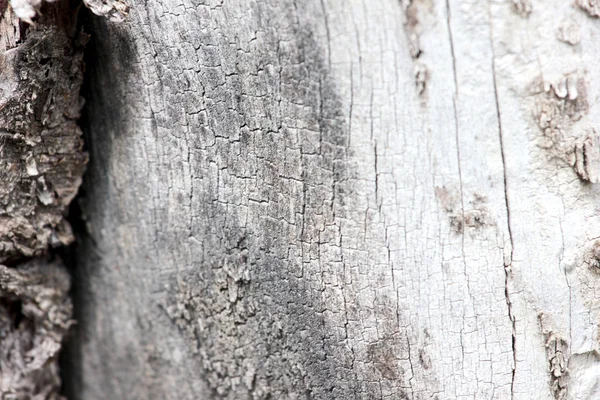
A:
41	164
35	314
42	159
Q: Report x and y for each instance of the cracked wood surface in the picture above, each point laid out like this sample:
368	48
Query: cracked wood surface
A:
327	199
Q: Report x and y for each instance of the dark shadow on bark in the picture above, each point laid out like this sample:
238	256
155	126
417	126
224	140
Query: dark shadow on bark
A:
97	90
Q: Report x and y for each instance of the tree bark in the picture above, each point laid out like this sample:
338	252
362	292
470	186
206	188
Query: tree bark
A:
41	164
335	200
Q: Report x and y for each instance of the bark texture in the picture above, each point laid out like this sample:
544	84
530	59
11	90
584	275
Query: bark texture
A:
41	164
341	199
42	159
35	314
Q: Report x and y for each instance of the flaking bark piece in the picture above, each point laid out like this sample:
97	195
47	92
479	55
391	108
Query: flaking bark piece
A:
114	10
35	314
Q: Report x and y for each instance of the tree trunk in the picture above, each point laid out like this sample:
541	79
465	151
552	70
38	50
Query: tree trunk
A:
340	199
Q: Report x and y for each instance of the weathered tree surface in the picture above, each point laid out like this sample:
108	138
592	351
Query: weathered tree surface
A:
328	199
35	314
41	161
41	164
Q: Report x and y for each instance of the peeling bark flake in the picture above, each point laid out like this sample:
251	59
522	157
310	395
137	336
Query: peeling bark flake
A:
558	109
591	7
35	314
114	10
557	350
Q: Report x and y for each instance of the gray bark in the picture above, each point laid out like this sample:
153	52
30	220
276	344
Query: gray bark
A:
308	200
42	159
327	199
41	164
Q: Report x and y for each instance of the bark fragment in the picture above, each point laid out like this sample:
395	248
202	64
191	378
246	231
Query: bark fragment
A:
115	10
35	314
587	157
569	32
559	108
557	350
591	7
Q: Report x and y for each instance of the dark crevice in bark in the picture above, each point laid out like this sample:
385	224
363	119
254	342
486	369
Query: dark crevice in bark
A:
77	220
507	263
69	257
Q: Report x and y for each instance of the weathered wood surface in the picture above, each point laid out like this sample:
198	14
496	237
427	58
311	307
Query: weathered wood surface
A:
341	199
